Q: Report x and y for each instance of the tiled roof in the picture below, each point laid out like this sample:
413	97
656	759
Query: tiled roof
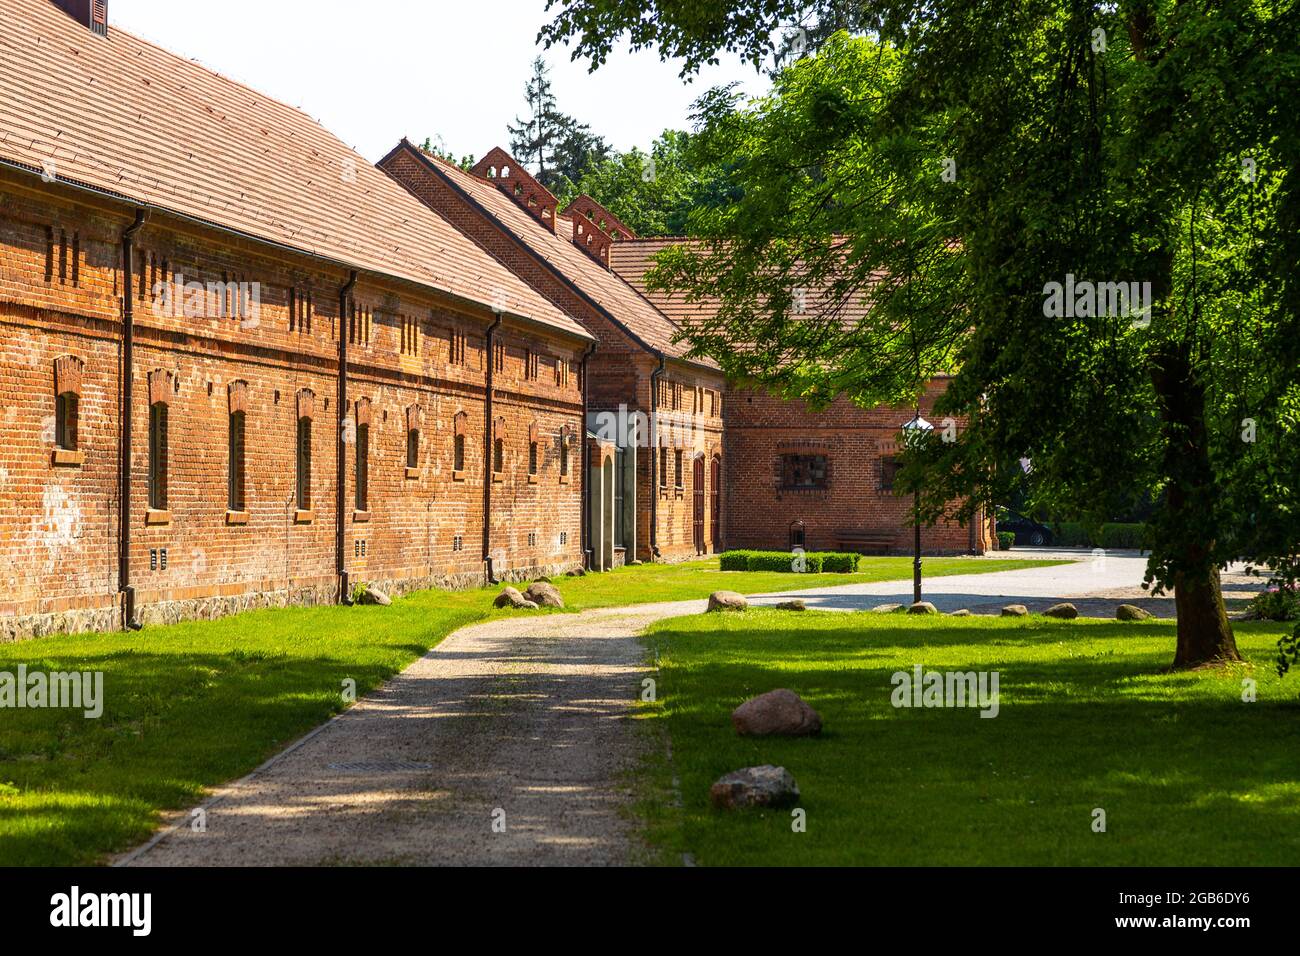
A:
123	116
616	298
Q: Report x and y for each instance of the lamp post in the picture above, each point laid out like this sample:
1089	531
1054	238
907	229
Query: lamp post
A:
915	432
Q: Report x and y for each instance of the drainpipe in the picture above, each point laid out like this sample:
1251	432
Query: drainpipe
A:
487	448
341	476
654	453
584	530
124	587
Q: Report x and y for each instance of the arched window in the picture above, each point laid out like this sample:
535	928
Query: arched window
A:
238	398
414	424
459	425
797	536
363	455
306	410
161	387
499	447
67	409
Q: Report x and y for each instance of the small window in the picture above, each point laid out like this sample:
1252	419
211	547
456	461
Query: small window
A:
564	457
797	536
889	468
458	463
65	411
304	464
677	469
235	476
499	455
803	472
663	467
363	467
412	448
532	458
158	456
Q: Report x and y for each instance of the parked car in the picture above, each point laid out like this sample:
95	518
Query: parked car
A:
1027	530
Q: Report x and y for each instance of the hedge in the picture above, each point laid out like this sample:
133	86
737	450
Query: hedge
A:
1071	534
1006	539
814	562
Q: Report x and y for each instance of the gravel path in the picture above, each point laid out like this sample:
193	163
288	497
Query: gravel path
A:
525	722
525	716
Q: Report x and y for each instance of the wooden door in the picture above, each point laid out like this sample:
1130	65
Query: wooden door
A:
699	505
715	484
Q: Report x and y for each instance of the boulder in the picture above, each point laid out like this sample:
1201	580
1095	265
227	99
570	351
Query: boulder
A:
544	594
922	607
887	609
509	597
1015	610
578	573
372	595
795	605
781	713
1131	612
529	606
1066	612
544	579
962	613
727	601
765	786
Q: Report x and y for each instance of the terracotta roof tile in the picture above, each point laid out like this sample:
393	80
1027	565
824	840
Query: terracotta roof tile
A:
620	301
121	115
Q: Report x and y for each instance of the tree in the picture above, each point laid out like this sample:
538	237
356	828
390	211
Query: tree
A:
556	145
654	192
434	146
1016	149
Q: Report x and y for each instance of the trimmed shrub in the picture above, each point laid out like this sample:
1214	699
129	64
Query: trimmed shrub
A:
1072	534
814	562
1122	536
1277	604
1006	539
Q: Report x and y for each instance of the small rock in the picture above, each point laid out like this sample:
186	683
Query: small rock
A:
922	607
962	613
578	573
372	595
795	605
727	601
765	786
1131	612
544	579
1015	610
1066	612
544	594
777	713
529	606
509	597
887	609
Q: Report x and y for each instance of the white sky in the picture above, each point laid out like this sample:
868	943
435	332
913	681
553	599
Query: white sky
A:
376	71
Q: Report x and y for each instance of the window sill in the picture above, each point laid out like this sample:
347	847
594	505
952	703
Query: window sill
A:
458	475
564	479
412	474
361	517
66	458
236	517
532	479
497	477
303	517
161	519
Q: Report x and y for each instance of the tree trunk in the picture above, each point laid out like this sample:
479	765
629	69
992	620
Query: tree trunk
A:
1204	634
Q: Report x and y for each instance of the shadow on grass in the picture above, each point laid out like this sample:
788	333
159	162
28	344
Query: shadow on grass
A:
1185	770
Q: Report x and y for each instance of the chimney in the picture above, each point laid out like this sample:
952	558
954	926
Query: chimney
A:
92	14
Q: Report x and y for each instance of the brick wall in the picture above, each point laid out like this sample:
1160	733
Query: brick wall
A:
855	442
60	287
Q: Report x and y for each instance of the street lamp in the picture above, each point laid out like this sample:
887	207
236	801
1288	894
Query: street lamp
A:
915	433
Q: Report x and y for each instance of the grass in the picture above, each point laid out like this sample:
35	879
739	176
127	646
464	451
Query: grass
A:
189	706
698	579
1187	773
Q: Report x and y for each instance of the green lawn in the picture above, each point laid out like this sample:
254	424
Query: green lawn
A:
1187	773
698	579
192	705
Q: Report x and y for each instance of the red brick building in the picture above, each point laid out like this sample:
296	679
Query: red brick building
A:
323	382
242	367
819	480
654	416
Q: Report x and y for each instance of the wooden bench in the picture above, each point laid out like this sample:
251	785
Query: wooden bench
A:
866	542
